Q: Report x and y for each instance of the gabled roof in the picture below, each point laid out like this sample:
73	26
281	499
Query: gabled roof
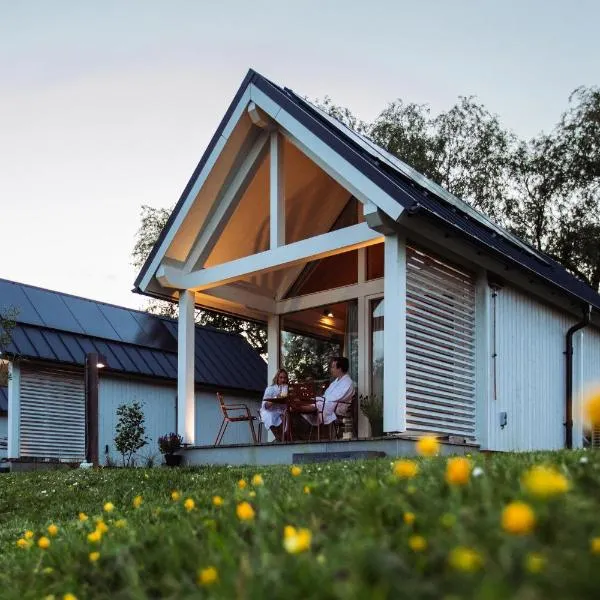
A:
59	327
410	189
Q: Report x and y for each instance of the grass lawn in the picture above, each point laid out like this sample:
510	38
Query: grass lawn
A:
369	532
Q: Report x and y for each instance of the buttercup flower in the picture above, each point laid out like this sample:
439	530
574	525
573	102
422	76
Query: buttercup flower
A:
417	543
137	501
458	471
28	535
82	517
69	597
208	576
23	543
518	518
244	511
428	445
52	529
296	540
544	482
295	471
44	543
175	495
409	518
109	507
189	505
217	500
595	545
257	480
94	556
101	526
94	537
535	562
465	559
242	484
405	469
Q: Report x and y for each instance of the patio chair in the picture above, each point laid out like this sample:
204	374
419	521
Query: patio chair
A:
337	426
303	400
234	413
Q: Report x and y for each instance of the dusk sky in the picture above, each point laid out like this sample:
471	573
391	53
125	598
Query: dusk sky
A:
108	105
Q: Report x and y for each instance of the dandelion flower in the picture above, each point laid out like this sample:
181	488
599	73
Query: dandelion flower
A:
82	517
465	559
405	469
252	494
23	543
592	408
458	471
244	511
208	576
518	518
69	597
101	526
94	537
137	501
242	484
28	535
189	505
417	543
94	556
175	495
409	518
52	529
217	501
257	480
545	482
306	489
296	540
428	445
535	562
108	507
295	471
595	545
44	543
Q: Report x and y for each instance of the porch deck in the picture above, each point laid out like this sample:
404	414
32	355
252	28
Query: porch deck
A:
302	451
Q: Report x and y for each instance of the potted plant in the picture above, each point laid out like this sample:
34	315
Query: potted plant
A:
168	444
372	408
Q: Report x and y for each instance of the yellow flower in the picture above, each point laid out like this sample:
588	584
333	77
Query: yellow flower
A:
244	511
252	494
595	545
82	517
208	576
535	562
50	597
175	495
306	489
94	537
28	535
109	507
47	570
518	518
448	520
592	408
121	523
428	445
94	556
101	526
217	501
189	505
458	471
405	469
465	559
417	543
409	518
242	484
544	482
69	597
257	480
295	471
137	501
296	540
23	543
52	529
44	543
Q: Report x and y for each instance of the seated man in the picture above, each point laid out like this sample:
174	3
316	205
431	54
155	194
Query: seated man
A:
341	389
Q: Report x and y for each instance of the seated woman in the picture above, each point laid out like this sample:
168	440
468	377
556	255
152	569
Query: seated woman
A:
271	413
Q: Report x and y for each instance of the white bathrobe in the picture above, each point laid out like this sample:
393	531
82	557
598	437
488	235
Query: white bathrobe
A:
341	389
272	417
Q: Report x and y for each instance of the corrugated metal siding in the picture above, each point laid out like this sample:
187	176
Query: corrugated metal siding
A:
158	404
591	368
52	414
3	436
440	346
530	373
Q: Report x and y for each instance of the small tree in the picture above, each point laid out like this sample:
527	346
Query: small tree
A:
131	431
8	321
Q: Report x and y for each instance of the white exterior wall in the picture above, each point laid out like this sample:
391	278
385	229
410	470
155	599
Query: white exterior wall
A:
3	436
530	374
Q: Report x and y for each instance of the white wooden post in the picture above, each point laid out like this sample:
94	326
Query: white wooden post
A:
273	346
14	410
277	188
394	334
186	400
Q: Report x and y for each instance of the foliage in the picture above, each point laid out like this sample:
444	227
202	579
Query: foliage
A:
306	357
170	443
372	534
130	431
372	407
8	321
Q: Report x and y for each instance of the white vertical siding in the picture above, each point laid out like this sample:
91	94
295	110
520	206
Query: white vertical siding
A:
158	404
590	368
529	373
3	436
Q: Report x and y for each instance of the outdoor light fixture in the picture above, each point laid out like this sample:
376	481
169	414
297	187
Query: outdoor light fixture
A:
328	313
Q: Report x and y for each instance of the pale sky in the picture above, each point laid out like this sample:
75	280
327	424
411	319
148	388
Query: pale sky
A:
106	105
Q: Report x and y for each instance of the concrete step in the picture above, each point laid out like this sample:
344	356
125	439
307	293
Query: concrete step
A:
313	457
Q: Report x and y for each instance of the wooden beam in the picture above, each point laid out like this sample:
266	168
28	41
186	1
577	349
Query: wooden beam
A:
225	205
234	294
257	116
186	397
314	248
277	192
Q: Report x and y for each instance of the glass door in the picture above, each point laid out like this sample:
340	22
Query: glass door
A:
376	310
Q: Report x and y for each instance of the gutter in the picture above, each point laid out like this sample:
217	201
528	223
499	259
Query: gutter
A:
569	387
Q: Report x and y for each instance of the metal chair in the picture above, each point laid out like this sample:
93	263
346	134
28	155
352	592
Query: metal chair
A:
303	400
226	409
338	424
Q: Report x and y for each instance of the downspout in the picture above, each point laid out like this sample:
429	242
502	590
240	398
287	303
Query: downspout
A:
569	391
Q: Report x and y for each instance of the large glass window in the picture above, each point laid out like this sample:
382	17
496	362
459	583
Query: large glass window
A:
377	318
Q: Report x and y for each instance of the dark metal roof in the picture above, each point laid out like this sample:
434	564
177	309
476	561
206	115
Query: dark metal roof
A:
412	192
64	328
3	400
